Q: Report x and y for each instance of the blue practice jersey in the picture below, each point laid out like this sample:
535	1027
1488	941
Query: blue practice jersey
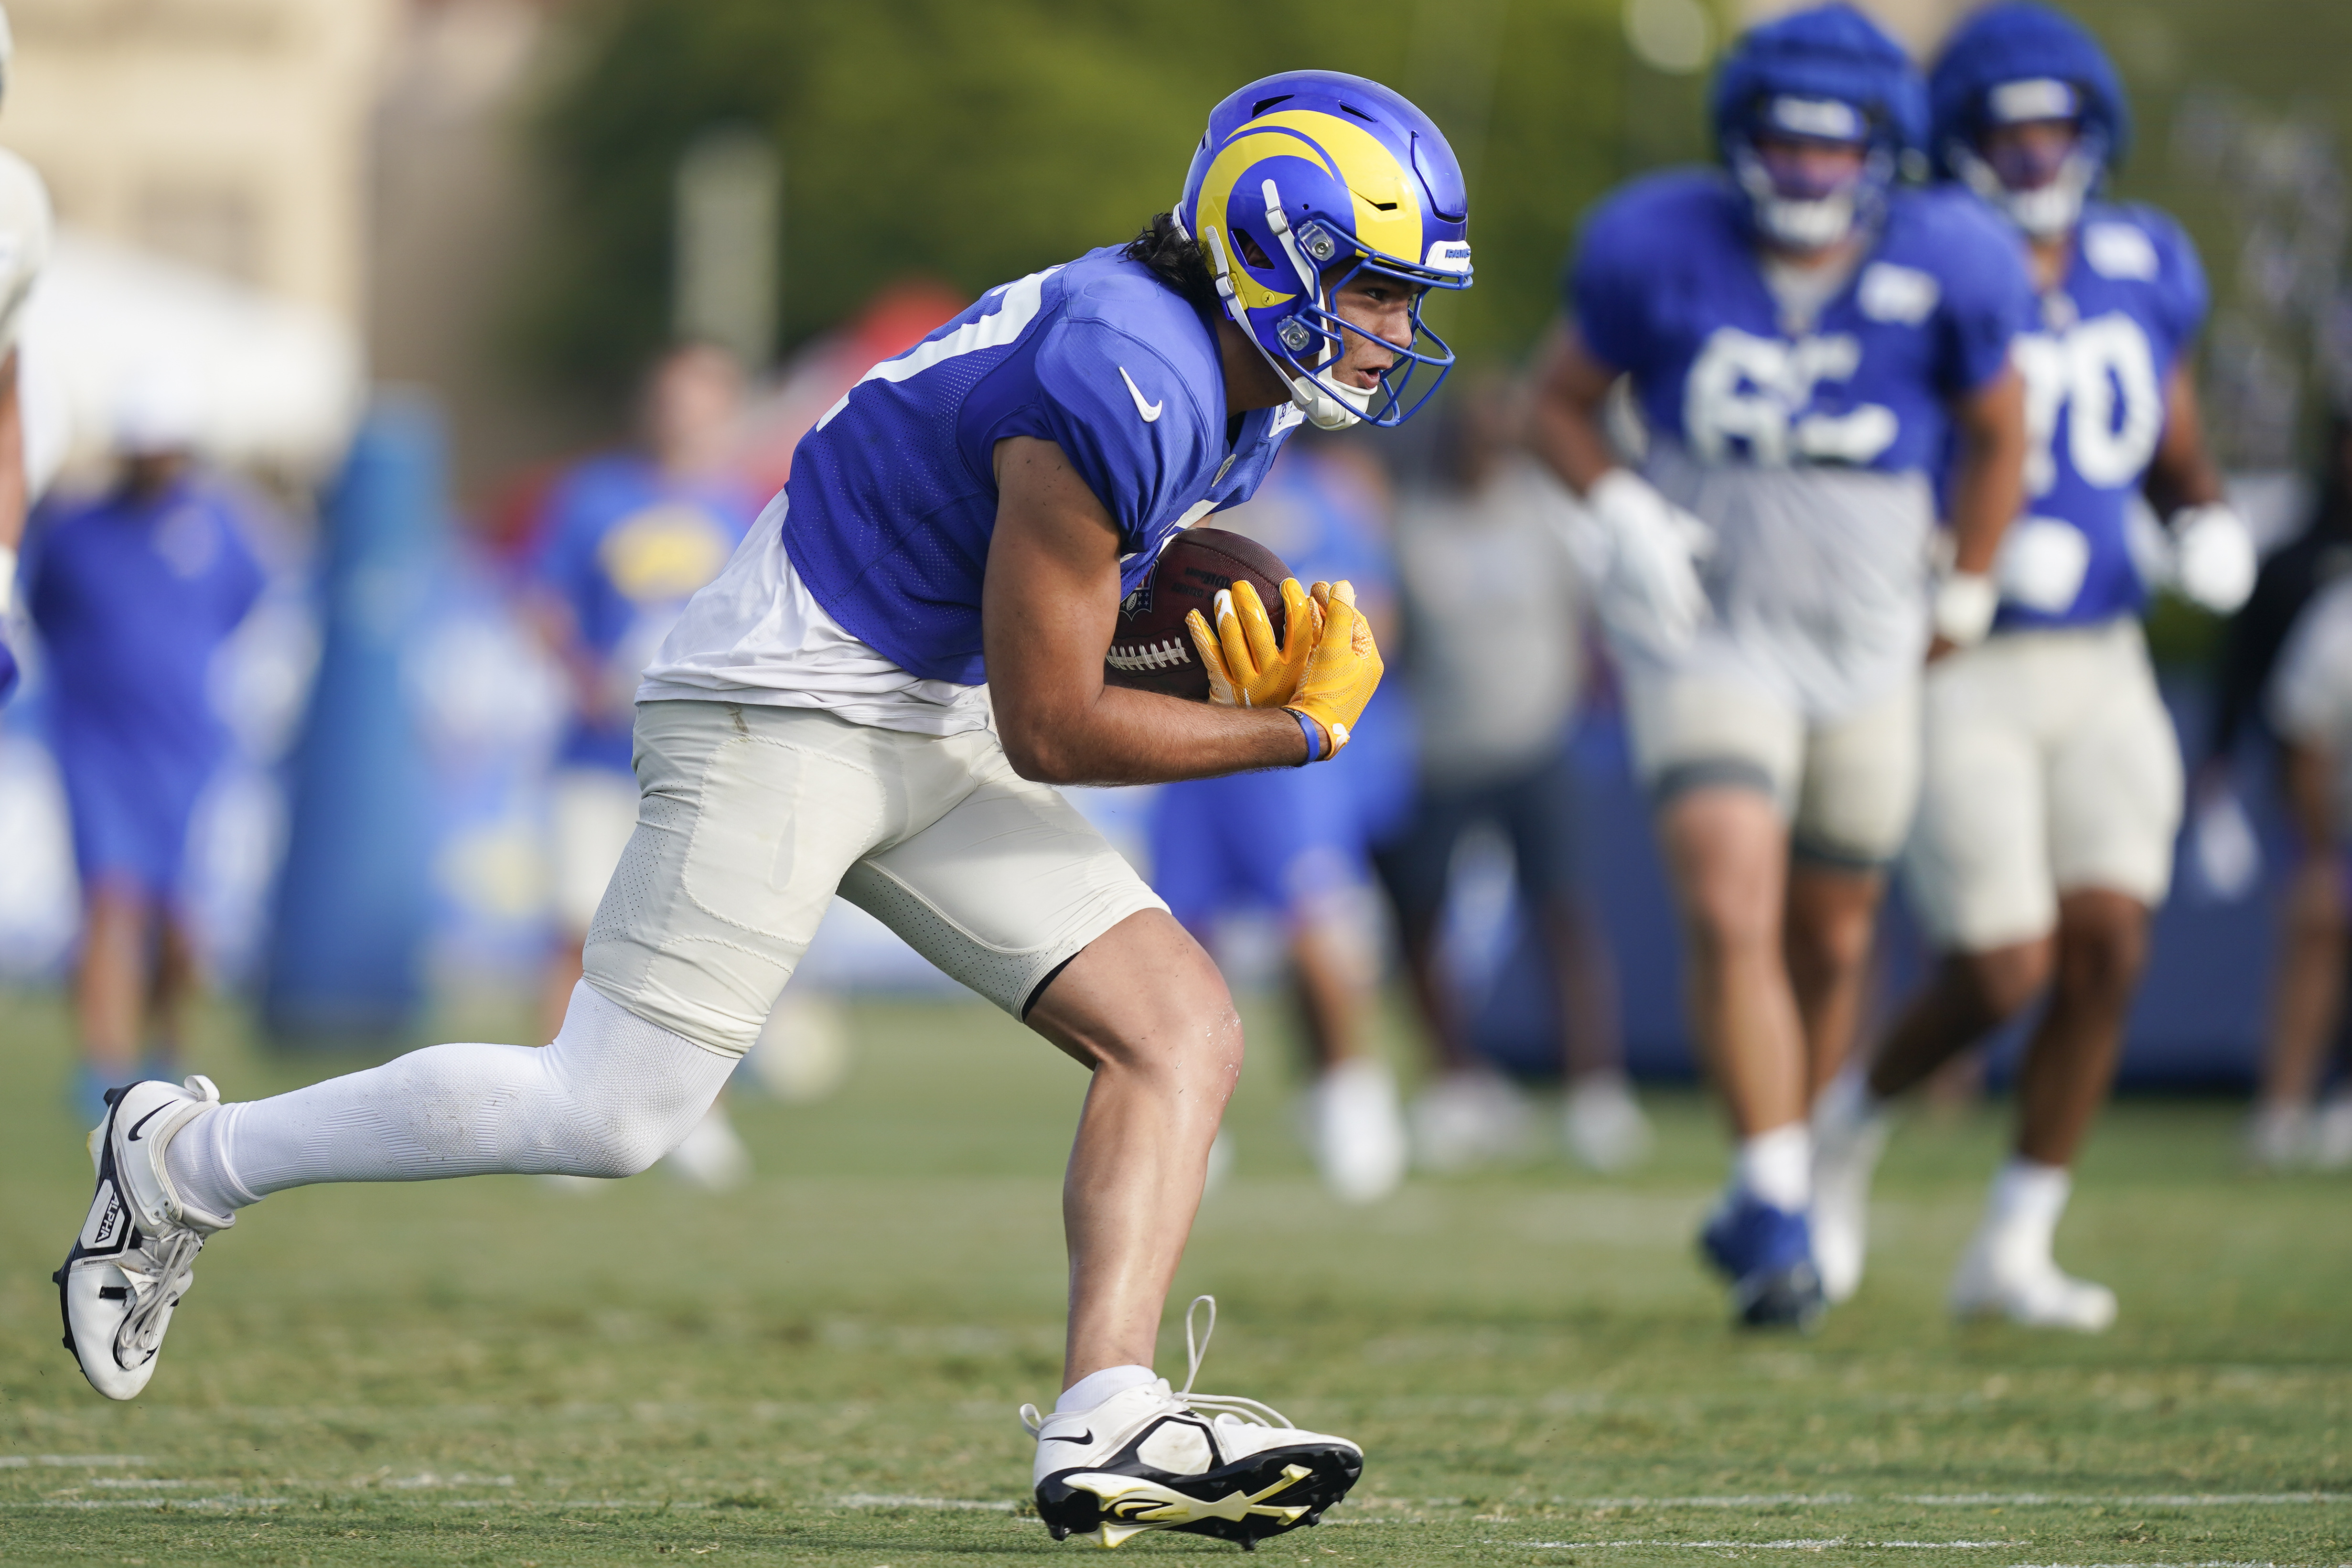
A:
131	597
893	495
626	546
2096	369
1668	287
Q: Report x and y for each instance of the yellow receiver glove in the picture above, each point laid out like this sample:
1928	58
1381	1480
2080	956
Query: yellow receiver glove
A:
1245	668
1342	672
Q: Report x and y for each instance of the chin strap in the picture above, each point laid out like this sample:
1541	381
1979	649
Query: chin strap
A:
1325	405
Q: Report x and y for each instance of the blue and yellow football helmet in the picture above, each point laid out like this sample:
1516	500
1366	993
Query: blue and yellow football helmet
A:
1305	180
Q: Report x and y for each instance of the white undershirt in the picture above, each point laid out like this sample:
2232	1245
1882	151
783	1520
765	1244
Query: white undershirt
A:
1803	293
757	635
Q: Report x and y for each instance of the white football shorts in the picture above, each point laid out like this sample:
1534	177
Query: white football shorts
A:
590	812
2052	766
752	817
1847	785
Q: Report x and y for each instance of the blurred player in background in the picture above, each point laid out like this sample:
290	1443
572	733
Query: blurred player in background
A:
2053	782
877	697
1489	585
2311	710
2307	1015
24	249
1806	343
132	594
1296	843
628	538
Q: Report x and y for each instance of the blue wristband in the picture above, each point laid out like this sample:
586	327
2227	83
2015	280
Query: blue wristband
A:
1313	732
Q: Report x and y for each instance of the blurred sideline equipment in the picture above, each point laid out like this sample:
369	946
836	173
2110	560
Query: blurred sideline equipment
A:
1805	343
346	937
133	594
25	224
628	539
818	721
1294	844
1495	612
2052	782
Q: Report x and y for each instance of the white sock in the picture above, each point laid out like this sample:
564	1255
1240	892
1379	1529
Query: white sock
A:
1777	1166
611	1096
2023	1210
1848	1100
1097	1387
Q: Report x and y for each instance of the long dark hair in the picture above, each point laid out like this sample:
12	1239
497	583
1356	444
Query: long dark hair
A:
1175	260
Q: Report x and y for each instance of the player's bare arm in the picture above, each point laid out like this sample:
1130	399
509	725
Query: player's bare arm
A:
1568	431
1047	608
1988	476
1988	490
16	499
2182	472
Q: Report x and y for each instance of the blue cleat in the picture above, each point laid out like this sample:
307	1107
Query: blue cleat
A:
1767	1253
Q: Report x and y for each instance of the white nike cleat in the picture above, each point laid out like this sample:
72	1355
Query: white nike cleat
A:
134	1257
1469	1117
2278	1138
1203	1463
2331	1133
2006	1281
1603	1123
1357	1131
1847	1147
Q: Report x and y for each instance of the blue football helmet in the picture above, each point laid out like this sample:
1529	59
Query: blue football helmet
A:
1304	182
1827	74
2014	63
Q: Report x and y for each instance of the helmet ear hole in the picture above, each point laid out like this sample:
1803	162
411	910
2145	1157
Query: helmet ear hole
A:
1253	253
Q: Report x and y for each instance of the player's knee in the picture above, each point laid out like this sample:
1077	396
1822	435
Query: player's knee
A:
1731	916
2003	980
2102	961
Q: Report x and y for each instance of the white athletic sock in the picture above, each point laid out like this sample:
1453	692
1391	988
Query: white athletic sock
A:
1848	1101
1777	1166
1097	1387
611	1096
2023	1210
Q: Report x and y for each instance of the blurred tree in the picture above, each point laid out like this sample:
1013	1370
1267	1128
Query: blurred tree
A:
977	140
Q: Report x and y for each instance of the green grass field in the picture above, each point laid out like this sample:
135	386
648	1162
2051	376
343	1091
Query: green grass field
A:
824	1367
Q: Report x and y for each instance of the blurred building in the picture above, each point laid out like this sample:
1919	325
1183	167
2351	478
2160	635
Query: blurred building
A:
228	134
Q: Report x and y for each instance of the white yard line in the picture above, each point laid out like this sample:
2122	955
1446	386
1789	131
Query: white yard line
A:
71	1461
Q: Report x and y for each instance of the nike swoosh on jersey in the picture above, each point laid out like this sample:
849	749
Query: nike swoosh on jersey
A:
1149	411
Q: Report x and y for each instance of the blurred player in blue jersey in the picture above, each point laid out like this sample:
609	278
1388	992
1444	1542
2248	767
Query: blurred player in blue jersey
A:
629	537
876	696
2053	785
132	594
1805	341
1296	843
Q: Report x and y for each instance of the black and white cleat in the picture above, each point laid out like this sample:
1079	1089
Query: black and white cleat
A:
134	1256
1155	1459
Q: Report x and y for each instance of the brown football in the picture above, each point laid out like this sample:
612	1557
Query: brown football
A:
1150	648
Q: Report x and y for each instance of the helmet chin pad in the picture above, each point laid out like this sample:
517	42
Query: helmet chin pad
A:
2040	210
1802	221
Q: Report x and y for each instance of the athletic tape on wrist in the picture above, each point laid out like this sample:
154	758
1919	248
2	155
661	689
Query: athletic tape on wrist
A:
1313	732
1964	605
